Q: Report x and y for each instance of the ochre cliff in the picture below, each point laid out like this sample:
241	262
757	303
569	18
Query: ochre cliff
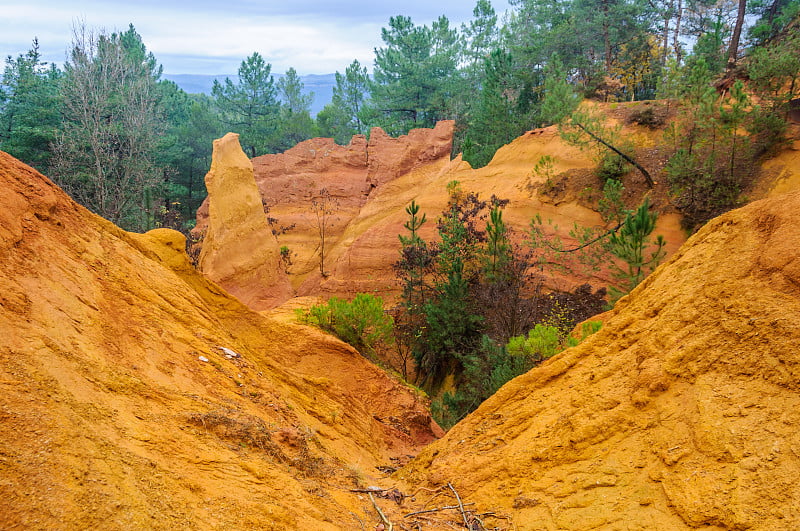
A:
137	394
373	183
290	181
239	250
681	413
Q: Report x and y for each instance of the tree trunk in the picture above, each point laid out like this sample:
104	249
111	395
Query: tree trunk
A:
676	44
733	49
606	37
665	34
630	160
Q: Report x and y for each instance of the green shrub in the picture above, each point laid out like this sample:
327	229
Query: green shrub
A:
542	342
491	366
361	322
611	166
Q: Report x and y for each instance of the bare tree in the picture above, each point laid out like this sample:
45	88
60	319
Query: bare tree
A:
105	151
323	207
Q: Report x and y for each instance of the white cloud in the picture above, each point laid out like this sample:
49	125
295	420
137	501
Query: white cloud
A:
313	36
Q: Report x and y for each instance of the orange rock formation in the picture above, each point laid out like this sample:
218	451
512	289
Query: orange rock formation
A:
681	413
136	394
239	250
290	181
374	182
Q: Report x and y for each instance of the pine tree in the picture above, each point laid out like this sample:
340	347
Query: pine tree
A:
105	153
631	244
295	122
414	74
29	108
250	105
496	119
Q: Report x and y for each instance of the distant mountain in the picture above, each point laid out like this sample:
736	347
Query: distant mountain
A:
320	84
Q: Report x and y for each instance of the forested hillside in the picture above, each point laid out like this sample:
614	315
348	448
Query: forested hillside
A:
133	147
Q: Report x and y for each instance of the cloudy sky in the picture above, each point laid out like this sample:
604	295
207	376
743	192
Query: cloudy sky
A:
212	37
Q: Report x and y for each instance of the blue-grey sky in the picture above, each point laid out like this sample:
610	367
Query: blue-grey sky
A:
212	37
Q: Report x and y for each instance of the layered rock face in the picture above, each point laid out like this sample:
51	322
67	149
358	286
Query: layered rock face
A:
137	394
239	250
373	182
289	182
683	412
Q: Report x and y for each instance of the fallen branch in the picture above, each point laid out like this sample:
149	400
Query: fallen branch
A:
460	505
446	507
389	525
644	172
587	244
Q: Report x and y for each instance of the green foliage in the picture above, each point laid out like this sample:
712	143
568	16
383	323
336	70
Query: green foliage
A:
498	254
452	322
610	166
294	115
29	108
286	257
415	261
631	245
545	168
774	16
491	366
496	118
710	48
250	105
452	327
774	71
185	149
716	143
588	36
480	34
560	99
622	244
541	343
611	206
105	153
441	321
466	295
361	322
414	74
344	116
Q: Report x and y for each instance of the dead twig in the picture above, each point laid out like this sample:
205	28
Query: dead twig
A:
446	507
500	517
436	490
360	522
389	525
460	505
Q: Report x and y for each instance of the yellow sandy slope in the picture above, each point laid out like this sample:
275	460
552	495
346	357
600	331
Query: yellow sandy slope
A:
120	409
